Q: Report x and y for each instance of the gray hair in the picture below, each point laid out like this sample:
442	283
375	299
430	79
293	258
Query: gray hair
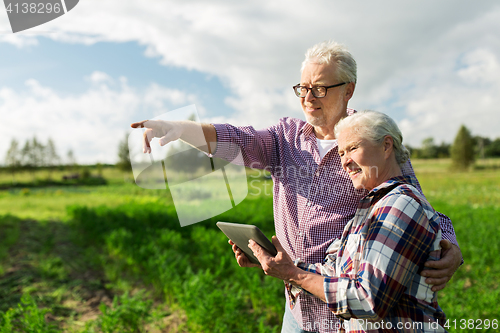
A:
330	52
375	126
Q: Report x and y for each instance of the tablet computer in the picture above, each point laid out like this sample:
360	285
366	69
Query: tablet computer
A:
240	234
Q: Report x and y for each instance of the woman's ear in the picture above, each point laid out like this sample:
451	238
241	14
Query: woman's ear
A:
388	145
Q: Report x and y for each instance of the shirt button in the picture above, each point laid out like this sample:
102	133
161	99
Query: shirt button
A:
308	204
300	234
317	173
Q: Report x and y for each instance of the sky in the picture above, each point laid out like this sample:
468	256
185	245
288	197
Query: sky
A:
82	78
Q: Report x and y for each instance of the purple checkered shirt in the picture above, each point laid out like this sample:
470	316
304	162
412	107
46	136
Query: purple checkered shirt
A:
313	198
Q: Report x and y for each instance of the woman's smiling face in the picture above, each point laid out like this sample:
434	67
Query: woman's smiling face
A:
363	160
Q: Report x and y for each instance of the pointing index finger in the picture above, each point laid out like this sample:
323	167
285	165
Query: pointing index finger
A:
139	124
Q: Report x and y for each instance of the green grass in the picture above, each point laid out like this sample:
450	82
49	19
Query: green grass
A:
49	203
478	188
114	258
474	291
472	201
188	267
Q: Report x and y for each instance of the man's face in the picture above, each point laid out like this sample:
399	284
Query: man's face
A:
328	110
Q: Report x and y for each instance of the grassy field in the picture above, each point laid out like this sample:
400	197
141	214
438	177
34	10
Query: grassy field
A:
472	201
113	258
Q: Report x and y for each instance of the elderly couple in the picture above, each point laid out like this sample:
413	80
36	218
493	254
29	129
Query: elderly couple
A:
368	255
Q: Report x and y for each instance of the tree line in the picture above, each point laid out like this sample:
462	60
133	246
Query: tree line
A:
464	150
482	147
35	154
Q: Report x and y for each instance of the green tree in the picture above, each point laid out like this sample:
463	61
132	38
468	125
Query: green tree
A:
71	160
99	167
25	155
33	154
493	149
462	150
28	159
429	149
13	158
124	155
38	153
52	159
443	150
480	146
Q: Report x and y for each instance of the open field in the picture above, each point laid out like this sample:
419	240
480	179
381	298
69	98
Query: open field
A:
113	258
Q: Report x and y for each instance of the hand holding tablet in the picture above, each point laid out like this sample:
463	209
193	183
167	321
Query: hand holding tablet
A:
240	234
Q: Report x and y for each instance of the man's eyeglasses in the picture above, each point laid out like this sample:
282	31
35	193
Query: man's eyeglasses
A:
318	91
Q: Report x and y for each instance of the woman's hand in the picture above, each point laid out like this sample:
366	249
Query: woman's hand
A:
281	266
241	258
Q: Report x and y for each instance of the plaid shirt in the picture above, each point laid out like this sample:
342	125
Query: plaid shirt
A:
373	270
313	198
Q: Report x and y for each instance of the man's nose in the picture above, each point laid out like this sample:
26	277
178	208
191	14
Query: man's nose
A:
309	96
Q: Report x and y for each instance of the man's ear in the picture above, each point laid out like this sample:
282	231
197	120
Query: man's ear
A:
349	91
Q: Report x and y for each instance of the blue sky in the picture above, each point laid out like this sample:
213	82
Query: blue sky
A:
82	78
62	66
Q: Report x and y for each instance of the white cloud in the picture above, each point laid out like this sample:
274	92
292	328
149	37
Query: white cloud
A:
409	53
91	123
99	77
468	96
19	41
481	67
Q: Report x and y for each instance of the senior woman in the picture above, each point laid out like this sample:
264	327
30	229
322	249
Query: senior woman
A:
370	277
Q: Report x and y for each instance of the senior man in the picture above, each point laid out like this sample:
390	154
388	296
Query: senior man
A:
313	197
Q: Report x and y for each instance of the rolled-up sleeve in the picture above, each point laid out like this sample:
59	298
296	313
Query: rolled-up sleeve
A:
258	147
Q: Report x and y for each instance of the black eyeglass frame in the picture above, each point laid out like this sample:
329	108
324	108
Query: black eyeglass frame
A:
312	91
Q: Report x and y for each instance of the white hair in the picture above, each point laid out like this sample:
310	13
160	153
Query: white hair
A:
330	52
375	126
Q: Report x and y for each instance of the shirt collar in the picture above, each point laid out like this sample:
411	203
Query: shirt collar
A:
308	130
388	185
